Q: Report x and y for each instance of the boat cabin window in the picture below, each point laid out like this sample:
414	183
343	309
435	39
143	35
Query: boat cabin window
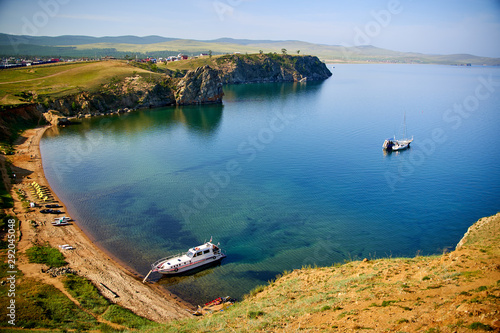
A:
206	251
189	254
197	254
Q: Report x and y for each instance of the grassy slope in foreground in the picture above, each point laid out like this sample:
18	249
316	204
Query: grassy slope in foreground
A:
19	85
453	292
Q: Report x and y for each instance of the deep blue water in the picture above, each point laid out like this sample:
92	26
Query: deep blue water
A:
288	175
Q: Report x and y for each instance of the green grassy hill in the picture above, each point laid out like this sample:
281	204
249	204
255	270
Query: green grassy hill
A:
36	83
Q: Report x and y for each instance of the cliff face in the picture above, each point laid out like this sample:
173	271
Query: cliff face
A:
133	92
311	68
202	85
16	119
199	86
235	69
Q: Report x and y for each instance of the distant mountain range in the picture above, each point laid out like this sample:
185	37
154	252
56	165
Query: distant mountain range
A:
120	46
70	40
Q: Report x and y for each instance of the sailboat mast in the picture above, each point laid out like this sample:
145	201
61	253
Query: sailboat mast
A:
404	121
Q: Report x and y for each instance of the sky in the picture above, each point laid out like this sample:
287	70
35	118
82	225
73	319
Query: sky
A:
425	26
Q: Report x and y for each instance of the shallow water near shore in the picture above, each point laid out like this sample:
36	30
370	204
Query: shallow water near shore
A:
287	175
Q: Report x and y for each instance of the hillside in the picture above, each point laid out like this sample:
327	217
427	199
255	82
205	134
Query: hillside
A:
452	292
49	82
91	88
26	92
103	87
120	46
45	83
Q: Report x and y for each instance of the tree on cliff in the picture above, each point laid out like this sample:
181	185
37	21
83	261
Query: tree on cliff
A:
283	50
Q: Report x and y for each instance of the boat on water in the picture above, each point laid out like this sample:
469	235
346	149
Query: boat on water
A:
394	145
398	144
195	257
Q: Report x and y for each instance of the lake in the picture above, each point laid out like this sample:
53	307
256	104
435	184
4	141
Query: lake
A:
288	175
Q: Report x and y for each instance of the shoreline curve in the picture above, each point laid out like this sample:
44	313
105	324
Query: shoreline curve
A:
107	273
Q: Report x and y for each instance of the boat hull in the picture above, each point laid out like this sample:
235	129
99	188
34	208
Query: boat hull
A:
193	260
395	145
400	147
190	266
398	144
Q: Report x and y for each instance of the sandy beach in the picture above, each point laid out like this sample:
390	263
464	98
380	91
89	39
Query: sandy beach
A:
114	281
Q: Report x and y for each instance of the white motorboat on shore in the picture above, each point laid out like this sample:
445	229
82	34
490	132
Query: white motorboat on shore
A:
195	257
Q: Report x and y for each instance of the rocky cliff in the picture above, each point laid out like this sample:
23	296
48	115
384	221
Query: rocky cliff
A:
133	92
199	86
202	85
14	120
254	68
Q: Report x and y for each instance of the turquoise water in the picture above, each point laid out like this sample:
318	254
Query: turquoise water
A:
288	175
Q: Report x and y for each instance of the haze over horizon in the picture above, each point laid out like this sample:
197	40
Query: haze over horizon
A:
430	27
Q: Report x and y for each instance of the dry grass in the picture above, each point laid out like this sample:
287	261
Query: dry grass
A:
453	292
191	63
19	85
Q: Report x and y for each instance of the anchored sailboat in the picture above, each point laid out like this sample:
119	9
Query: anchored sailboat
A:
398	144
